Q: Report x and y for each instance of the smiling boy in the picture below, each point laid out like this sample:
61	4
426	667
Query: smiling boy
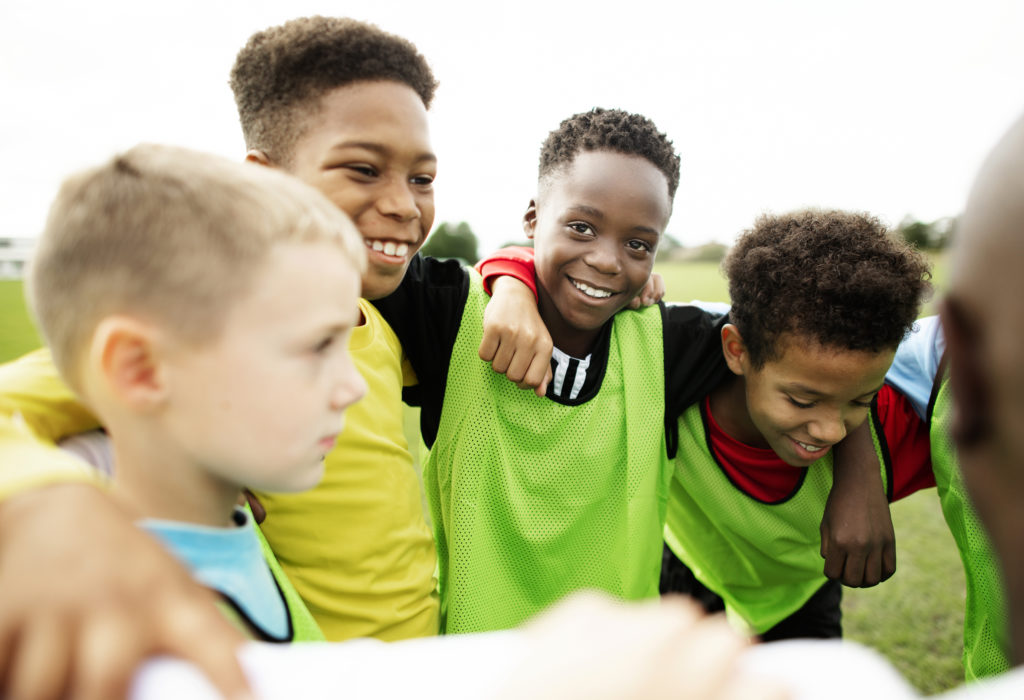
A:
820	302
342	105
534	497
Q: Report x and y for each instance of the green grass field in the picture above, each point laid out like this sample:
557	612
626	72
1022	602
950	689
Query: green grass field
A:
914	618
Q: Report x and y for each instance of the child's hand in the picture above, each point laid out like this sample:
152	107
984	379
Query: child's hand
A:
590	646
858	542
652	293
516	342
87	596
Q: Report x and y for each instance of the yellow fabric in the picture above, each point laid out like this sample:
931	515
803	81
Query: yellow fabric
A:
36	410
357	547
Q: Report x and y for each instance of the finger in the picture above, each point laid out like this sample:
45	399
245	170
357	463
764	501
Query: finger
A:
538	371
488	346
872	570
636	302
111	645
825	539
40	664
835	567
502	358
853	572
888	562
542	388
518	368
659	288
200	634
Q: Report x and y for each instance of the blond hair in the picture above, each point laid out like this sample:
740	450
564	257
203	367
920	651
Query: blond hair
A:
170	235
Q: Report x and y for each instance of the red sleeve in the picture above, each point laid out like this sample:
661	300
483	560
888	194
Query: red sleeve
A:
909	444
515	261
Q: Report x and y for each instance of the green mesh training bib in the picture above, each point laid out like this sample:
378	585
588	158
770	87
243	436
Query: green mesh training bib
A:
532	499
763	560
986	642
304	627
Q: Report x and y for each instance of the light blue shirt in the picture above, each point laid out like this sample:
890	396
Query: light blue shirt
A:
229	560
917	362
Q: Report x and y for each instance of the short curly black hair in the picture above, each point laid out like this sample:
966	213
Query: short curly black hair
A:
282	72
838	278
611	130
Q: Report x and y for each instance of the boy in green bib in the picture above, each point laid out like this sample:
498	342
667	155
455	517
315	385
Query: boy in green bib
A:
202	308
820	302
534	497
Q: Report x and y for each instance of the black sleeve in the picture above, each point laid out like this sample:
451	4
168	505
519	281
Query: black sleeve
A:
425	312
693	361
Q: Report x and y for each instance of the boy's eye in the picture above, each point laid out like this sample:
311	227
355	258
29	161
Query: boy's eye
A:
360	169
800	404
863	404
423	180
580	227
639	245
324	345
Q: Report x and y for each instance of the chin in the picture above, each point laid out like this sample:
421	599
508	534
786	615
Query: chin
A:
301	479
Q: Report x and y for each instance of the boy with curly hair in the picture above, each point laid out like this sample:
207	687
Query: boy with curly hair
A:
341	105
820	302
534	497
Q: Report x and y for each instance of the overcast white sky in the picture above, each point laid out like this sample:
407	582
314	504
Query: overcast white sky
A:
882	105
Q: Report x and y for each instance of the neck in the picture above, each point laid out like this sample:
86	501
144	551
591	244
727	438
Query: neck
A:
567	338
729	408
157	482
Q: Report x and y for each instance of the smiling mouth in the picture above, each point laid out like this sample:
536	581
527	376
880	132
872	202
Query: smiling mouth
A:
811	448
594	292
390	248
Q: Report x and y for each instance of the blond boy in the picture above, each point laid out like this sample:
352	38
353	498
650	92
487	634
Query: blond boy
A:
202	309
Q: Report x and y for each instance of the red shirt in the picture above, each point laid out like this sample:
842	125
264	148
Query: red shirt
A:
761	474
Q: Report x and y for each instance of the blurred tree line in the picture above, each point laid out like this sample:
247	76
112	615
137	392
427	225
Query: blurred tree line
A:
453	241
458	241
928	236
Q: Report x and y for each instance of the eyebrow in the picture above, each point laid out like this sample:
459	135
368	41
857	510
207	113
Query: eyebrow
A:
380	149
598	214
801	389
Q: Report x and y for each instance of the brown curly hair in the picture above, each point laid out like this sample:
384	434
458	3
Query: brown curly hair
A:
282	72
836	277
612	130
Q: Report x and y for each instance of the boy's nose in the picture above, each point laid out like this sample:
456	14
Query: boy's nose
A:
398	201
827	431
350	388
603	257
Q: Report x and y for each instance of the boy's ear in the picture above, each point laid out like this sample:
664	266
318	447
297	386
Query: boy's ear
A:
530	219
733	349
125	352
258	157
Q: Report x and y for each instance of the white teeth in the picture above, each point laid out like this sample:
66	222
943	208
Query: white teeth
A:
590	291
388	248
809	448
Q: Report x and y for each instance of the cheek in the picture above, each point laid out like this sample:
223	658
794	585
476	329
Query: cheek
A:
426	207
